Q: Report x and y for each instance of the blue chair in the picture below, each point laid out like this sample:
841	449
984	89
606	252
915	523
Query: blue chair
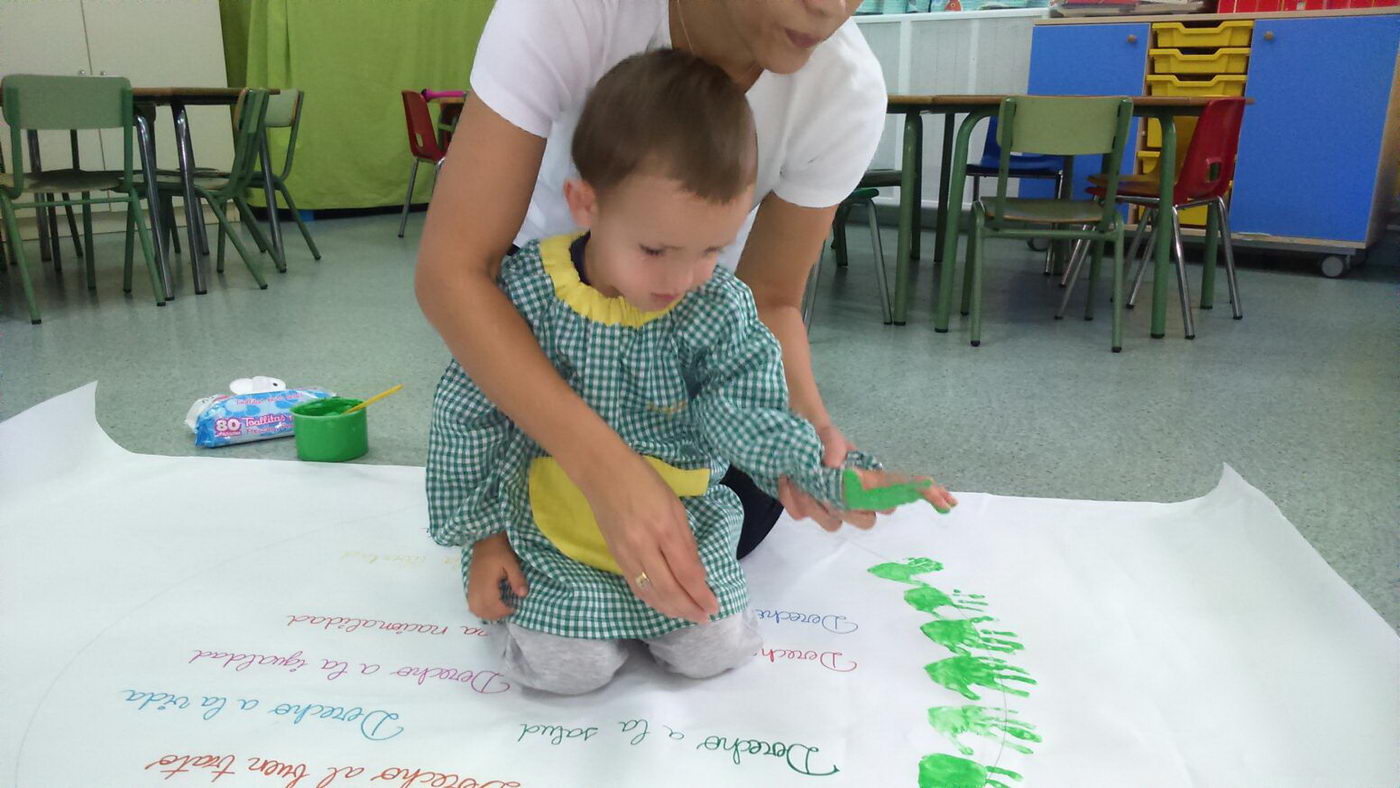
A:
1023	165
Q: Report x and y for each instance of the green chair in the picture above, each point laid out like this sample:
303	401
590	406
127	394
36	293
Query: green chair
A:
284	112
1058	126
219	189
54	102
863	195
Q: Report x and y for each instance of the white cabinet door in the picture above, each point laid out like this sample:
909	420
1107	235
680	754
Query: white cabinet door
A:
46	38
165	43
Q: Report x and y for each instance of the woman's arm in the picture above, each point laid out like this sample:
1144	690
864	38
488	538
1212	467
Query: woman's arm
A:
479	204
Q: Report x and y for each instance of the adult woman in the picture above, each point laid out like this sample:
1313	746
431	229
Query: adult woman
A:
818	99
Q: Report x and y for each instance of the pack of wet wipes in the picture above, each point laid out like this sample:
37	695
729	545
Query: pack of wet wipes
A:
259	408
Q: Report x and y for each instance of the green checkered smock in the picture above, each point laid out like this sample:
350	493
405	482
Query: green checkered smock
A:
698	386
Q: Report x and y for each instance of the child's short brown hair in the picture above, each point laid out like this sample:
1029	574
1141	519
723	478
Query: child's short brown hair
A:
669	113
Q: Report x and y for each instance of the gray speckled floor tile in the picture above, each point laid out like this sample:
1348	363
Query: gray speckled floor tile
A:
1300	396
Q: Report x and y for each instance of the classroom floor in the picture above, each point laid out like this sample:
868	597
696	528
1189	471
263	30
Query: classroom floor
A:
1300	397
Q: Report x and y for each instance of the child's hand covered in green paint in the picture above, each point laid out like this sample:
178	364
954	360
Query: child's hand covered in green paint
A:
953	721
882	491
950	771
961	673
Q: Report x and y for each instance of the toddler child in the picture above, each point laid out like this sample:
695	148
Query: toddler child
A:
668	350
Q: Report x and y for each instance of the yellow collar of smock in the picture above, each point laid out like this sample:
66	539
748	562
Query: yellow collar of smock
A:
584	299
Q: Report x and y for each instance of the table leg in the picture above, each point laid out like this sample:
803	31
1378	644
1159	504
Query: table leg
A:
1166	168
956	179
269	191
916	239
46	250
944	173
908	203
145	139
193	214
1208	263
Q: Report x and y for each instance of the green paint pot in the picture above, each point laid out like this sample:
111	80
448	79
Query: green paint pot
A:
325	433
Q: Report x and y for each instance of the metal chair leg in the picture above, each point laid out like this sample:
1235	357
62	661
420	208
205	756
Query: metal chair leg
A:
296	216
975	254
408	195
17	249
248	260
1230	276
1145	260
1095	266
130	247
1117	345
88	242
1183	287
167	224
838	234
73	227
437	174
1050	245
809	296
879	262
1075	251
1138	235
1076	261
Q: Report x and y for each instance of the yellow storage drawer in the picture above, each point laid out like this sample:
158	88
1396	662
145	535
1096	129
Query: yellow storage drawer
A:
1223	34
1169	85
1184	127
1230	60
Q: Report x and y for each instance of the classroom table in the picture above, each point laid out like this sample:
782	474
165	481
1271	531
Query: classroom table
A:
953	176
179	99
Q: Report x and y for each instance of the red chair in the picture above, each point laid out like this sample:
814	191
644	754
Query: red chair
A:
1204	175
422	143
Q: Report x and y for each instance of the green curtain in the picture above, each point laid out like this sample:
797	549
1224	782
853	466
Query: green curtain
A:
352	58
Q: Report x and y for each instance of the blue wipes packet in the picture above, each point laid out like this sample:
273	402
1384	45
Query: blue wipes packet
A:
225	419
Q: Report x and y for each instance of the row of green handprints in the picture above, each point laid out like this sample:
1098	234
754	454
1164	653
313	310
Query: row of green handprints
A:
960	673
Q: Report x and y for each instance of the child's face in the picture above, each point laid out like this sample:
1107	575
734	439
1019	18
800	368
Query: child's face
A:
653	241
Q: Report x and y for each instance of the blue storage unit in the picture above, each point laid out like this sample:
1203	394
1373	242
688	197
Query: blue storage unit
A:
1087	60
1310	149
1316	170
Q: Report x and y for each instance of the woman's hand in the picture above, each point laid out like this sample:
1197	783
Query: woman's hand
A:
648	532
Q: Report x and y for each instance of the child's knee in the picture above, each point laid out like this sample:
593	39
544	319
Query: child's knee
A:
563	666
710	649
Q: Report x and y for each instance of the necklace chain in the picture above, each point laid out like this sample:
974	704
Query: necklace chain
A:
689	44
680	9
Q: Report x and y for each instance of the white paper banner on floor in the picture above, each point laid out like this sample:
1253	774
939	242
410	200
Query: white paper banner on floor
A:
188	621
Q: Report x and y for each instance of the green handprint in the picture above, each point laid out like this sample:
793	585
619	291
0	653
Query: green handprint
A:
905	572
961	673
928	599
958	635
953	721
949	771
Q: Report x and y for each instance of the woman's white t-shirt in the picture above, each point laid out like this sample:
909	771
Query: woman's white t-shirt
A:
537	60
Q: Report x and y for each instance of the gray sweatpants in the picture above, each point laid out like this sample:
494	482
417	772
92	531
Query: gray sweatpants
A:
572	666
